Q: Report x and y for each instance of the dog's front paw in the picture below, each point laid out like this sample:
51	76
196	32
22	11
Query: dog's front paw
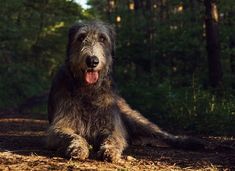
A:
78	149
110	154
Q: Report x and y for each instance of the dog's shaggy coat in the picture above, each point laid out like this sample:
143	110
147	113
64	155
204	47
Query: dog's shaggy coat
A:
84	110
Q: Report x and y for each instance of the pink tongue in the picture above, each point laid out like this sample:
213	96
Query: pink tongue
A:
91	77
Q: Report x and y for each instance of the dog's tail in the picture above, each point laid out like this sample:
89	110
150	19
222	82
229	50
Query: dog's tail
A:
143	132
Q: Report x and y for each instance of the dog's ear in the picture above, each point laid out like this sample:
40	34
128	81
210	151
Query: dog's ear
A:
72	32
112	35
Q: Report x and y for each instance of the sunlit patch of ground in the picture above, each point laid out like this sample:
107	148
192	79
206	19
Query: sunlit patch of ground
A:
22	148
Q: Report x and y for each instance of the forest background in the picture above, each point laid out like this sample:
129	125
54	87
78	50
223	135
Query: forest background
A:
174	61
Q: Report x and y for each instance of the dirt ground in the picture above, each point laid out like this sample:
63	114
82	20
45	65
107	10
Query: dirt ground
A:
22	148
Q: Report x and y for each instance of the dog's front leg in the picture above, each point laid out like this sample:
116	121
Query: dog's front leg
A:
113	144
67	142
111	149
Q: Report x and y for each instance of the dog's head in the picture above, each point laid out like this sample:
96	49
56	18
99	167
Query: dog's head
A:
90	50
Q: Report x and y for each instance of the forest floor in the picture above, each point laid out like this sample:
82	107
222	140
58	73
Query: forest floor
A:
22	148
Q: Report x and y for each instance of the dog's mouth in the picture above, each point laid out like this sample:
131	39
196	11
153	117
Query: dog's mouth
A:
91	76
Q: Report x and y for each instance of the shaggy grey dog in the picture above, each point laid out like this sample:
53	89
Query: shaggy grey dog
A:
85	111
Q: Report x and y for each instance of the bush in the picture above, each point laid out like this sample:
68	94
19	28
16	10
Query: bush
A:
187	109
19	81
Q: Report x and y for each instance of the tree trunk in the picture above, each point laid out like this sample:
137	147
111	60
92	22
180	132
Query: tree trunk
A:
163	13
232	58
213	44
137	4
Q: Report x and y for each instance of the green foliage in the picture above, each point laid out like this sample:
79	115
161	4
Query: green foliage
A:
19	81
200	110
33	41
191	109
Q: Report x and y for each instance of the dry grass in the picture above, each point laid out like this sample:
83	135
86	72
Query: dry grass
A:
21	148
12	161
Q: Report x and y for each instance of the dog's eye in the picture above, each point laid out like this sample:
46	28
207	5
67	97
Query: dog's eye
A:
81	37
102	38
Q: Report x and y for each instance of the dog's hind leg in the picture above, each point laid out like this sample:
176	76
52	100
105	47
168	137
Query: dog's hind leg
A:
143	132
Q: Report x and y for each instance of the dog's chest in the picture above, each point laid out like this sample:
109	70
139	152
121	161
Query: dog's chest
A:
95	115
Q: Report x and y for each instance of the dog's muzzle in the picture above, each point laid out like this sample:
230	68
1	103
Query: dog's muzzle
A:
91	75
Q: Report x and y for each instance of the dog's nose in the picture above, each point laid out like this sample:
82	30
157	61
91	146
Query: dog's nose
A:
92	61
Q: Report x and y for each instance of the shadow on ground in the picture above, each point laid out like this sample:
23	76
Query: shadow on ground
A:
22	147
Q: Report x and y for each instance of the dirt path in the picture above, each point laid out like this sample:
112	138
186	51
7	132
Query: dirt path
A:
22	148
